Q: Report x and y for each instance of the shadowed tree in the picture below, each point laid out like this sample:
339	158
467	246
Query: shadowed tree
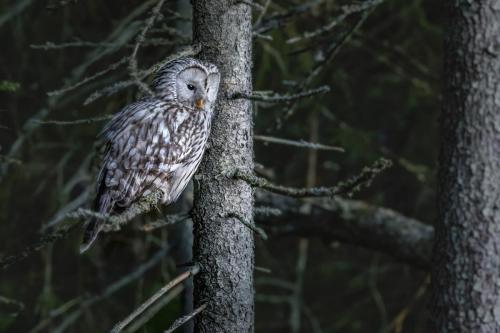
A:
223	246
466	263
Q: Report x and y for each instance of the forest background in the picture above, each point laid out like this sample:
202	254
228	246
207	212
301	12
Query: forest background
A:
379	97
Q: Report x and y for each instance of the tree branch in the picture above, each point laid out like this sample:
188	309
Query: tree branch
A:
184	319
349	186
347	10
115	222
144	306
300	143
352	222
265	96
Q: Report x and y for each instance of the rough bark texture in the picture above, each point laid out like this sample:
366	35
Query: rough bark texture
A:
466	260
351	222
223	246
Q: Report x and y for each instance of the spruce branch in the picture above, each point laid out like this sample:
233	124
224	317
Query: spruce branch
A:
347	187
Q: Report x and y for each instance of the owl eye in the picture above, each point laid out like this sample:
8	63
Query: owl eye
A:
190	87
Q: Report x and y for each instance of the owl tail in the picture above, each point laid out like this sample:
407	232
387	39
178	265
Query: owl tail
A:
94	226
92	229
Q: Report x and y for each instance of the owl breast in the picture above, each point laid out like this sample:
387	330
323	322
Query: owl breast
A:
187	131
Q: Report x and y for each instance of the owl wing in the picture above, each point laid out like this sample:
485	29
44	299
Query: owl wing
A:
140	147
139	150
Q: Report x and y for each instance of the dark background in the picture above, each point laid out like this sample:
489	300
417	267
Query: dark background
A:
384	102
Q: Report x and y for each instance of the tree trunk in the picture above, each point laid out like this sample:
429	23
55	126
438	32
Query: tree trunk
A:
223	246
466	260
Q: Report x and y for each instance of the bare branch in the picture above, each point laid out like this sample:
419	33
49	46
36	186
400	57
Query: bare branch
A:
264	211
47	238
72	122
88	44
300	143
277	20
262	36
262	14
348	187
88	301
15	306
121	325
17	8
265	96
87	79
168	220
116	87
154	309
331	52
132	65
184	319
347	10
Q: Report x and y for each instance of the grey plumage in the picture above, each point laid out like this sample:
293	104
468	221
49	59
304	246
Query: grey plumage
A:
157	142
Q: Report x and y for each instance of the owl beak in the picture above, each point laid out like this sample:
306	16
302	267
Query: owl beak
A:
200	103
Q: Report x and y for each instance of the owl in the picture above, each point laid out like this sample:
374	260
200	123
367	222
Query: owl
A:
156	143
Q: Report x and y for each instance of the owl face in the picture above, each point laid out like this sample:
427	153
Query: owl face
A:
190	82
191	85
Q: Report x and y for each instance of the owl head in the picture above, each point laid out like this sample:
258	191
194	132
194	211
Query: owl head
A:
188	81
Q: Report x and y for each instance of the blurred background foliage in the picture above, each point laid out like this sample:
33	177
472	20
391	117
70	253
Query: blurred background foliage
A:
384	101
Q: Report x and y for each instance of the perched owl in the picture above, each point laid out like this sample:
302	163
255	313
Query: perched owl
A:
156	143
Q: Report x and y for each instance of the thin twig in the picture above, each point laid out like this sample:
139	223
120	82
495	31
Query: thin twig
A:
300	143
56	313
332	51
184	319
53	46
46	239
266	211
347	10
80	83
266	96
72	122
154	309
144	306
278	20
263	269
111	289
168	220
114	88
262	36
15	306
114	223
88	44
132	64
262	13
348	187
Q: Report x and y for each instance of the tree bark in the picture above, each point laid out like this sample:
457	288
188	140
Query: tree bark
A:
466	259
223	246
